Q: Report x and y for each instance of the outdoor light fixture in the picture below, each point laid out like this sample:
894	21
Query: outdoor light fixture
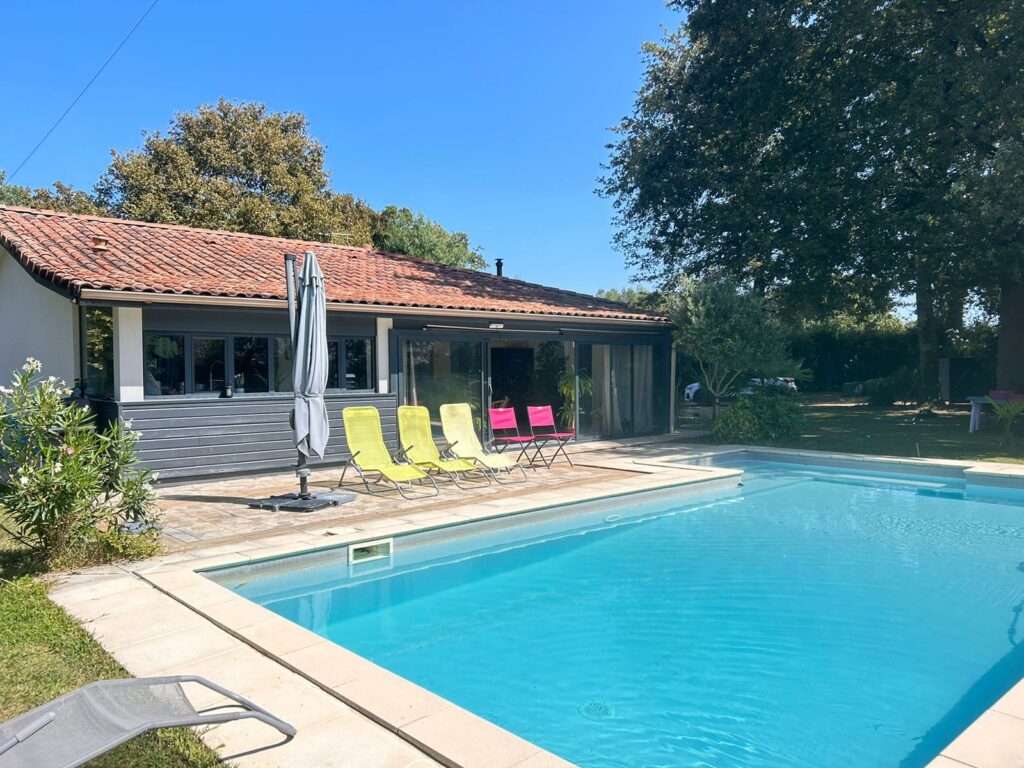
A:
495	326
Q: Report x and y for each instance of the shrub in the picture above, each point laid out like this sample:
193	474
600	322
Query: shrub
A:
65	486
901	386
844	349
763	416
1007	414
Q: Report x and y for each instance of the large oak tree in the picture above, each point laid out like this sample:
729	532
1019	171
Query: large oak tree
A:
240	167
834	154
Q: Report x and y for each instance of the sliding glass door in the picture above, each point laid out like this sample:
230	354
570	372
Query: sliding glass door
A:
438	371
617	390
528	372
596	390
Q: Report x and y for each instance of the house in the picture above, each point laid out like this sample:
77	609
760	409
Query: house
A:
159	321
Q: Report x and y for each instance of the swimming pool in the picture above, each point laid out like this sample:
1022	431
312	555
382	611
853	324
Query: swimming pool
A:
814	616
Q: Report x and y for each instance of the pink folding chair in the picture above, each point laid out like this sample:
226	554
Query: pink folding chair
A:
544	430
506	432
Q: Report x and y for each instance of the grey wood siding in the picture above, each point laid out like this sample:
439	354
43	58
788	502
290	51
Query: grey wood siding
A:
192	437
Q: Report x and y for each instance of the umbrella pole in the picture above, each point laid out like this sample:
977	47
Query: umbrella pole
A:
291	280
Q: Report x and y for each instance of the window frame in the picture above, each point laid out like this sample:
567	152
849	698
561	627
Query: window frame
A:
343	363
229	362
84	357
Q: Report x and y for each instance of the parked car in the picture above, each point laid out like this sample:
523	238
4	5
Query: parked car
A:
784	382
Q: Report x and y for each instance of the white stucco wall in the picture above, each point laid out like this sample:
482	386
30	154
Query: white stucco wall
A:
384	326
128	354
35	321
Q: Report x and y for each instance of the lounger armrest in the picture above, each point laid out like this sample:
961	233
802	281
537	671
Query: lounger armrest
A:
402	454
27	731
255	710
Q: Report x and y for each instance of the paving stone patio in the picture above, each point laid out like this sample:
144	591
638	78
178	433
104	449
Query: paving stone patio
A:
216	511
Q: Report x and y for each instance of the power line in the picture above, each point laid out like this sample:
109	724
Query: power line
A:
82	93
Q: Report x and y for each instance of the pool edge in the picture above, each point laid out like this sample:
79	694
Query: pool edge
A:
460	739
439	728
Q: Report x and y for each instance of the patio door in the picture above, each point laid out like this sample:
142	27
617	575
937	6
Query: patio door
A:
533	372
621	397
438	371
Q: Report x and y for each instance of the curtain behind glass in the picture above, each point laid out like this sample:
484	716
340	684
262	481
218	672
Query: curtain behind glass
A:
622	390
643	388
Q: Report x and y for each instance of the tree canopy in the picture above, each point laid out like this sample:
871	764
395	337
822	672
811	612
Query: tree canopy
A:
399	230
240	167
638	298
730	332
833	155
237	167
61	198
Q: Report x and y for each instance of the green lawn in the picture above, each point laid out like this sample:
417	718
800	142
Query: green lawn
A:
45	653
833	426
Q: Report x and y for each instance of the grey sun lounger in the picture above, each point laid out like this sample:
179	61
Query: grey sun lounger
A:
86	723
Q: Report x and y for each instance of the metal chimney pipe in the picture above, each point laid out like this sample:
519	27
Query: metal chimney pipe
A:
498	264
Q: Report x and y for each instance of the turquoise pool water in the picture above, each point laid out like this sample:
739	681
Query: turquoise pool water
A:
813	617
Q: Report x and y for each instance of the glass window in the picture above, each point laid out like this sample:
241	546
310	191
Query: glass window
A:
526	372
208	364
441	371
333	378
282	365
99	351
358	364
607	409
643	389
252	363
165	365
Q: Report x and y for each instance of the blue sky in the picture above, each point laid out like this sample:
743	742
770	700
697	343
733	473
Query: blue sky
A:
490	117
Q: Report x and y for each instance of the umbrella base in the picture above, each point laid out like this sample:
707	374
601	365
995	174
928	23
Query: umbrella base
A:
293	502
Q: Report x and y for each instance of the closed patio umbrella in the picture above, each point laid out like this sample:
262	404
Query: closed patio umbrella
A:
309	372
307	320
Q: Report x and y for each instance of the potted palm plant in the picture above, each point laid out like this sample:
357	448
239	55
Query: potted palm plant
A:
568	388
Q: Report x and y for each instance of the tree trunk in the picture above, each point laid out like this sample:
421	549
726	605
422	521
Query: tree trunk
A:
1010	350
954	315
927	335
953	312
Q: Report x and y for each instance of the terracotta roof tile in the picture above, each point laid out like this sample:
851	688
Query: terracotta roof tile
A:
162	258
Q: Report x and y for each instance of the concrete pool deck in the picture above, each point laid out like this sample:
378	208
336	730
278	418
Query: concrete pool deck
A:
162	617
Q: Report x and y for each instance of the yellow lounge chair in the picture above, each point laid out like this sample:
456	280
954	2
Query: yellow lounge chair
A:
418	446
370	456
463	443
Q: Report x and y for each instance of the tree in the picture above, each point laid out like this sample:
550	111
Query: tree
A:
830	154
636	298
399	230
62	197
241	167
11	194
730	333
237	167
724	166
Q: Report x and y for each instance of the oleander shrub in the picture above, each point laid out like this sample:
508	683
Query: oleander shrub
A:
69	491
764	416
